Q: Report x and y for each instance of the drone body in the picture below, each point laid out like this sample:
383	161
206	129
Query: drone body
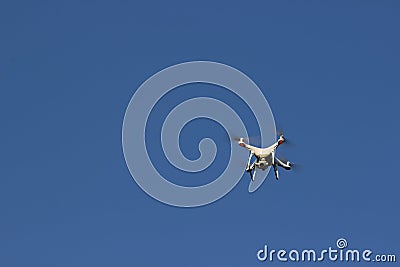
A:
265	157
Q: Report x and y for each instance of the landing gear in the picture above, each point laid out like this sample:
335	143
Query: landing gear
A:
250	171
249	168
276	171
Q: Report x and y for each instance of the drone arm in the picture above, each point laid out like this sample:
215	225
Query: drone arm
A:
286	166
254	174
276	171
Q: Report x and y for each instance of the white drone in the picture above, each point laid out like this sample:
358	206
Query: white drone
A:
265	157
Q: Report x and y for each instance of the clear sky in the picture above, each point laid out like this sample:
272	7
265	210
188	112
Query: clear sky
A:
329	70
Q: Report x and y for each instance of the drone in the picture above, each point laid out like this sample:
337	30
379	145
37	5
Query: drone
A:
265	157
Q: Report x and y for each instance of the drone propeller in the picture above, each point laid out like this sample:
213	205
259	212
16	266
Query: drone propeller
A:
294	166
253	140
287	141
237	138
256	140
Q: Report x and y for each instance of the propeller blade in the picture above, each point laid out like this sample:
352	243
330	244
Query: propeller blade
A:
287	141
235	138
295	166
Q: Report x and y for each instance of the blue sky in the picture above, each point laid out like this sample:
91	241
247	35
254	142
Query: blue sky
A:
68	69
